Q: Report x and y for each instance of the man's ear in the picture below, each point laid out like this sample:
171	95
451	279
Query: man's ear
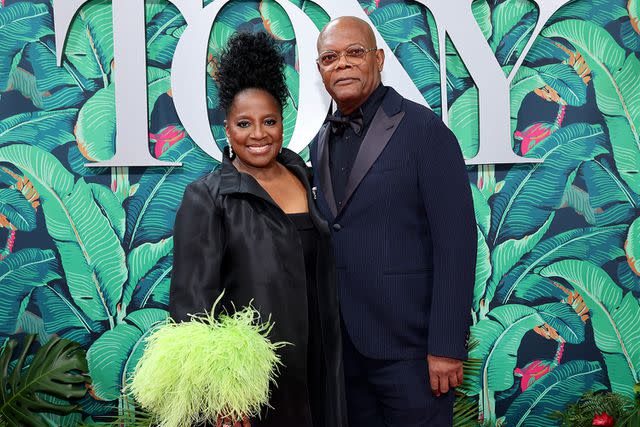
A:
380	59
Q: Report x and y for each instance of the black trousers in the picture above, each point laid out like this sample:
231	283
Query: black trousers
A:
391	393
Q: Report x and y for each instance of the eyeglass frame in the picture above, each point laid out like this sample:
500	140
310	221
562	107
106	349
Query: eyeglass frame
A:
344	53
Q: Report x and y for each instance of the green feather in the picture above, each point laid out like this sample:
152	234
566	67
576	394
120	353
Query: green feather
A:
194	372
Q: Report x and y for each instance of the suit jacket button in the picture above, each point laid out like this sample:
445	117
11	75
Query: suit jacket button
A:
337	227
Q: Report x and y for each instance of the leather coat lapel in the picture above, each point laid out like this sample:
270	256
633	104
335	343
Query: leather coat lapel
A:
377	137
325	172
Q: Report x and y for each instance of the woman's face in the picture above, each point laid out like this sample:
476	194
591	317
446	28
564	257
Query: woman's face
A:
254	128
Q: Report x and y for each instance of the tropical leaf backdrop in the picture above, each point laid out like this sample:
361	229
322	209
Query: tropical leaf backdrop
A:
86	253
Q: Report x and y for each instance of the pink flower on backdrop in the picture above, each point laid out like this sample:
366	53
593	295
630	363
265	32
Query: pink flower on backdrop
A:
166	138
603	419
532	135
371	7
532	372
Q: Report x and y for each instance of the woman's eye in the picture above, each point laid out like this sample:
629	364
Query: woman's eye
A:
270	122
243	124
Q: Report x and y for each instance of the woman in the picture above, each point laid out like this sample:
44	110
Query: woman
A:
251	228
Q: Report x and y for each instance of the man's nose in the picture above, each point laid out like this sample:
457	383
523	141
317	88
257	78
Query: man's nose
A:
342	61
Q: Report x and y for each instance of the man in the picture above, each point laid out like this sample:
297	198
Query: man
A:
392	183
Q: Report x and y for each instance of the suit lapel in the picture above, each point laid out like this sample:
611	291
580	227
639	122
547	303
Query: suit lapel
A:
377	137
325	172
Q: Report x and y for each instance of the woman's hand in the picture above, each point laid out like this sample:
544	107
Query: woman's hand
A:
226	422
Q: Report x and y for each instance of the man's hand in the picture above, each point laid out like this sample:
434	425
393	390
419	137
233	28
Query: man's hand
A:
444	373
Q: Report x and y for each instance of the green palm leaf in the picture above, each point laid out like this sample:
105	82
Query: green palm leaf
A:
524	208
113	357
625	277
62	317
111	207
632	246
612	200
465	412
163	33
237	13
554	391
58	369
30	323
482	14
614	318
578	199
151	210
141	260
507	254
601	12
564	79
62	87
96	126
89	248
422	65
220	35
45	129
564	319
499	337
90	41
316	13
524	82
532	193
153	8
483	270
615	81
25	83
598	244
398	22
17	210
289	116
158	83
20	23
153	289
276	21
513	42
20	273
463	116
505	18
482	210
630	30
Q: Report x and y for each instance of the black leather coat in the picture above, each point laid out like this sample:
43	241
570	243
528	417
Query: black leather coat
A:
229	234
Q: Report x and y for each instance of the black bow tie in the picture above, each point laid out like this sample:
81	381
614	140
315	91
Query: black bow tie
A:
340	123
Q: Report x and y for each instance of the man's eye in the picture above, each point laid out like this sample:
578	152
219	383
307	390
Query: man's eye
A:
329	57
355	51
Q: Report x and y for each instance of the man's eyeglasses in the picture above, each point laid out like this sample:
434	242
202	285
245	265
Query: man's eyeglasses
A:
354	55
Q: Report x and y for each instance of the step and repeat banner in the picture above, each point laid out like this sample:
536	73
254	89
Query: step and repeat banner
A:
96	148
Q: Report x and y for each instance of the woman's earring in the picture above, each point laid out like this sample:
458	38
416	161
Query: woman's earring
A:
280	149
231	154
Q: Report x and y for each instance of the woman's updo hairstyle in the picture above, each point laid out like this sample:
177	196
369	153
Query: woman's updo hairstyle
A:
250	61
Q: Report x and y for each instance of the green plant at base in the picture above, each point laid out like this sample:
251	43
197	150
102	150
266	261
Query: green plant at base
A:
58	369
624	410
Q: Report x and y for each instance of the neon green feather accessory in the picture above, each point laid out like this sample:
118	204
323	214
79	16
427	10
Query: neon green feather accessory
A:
193	372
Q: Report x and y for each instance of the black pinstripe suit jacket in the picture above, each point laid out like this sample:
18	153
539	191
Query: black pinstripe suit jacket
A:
405	236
